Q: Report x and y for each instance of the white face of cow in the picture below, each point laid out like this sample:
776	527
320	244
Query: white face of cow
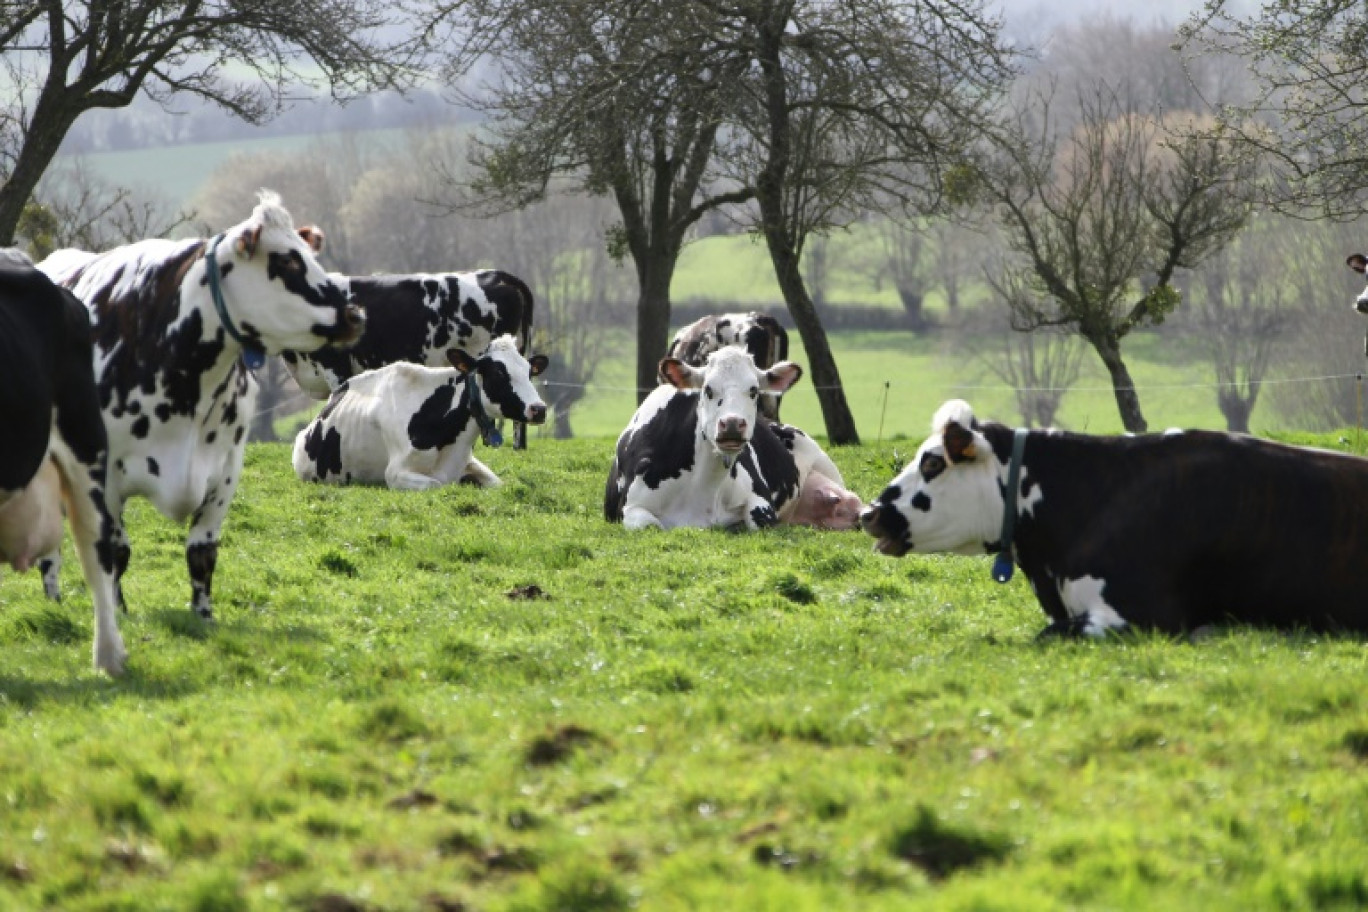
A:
504	379
1359	263
947	499
729	388
276	292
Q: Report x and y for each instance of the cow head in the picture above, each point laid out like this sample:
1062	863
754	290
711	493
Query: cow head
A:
729	386
947	499
504	379
1359	263
276	293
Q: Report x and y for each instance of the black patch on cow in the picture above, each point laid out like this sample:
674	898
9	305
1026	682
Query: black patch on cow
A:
211	437
441	418
931	465
662	448
323	446
921	502
140	427
769	460
497	384
891	520
152	467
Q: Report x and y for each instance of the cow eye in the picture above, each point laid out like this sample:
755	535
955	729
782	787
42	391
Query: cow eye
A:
707	392
931	465
754	391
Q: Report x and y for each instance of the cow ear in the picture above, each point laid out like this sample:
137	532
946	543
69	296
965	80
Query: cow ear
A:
1357	262
246	243
538	363
460	359
313	236
782	376
959	442
680	375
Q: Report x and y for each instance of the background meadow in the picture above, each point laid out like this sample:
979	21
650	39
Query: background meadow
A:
494	700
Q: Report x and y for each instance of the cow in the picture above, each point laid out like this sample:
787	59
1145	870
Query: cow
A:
178	328
421	318
55	448
413	427
1173	532
758	333
696	454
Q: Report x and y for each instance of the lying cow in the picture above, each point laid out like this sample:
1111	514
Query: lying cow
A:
176	326
413	427
423	319
695	454
55	445
1171	532
758	333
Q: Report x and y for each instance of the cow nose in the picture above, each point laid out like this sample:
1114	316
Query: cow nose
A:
732	427
536	414
354	317
1361	305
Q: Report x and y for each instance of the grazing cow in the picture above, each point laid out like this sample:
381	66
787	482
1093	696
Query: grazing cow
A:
695	454
758	333
422	318
55	445
413	427
177	325
1171	532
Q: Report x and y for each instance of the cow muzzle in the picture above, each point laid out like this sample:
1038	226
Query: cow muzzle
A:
536	414
872	522
350	326
731	436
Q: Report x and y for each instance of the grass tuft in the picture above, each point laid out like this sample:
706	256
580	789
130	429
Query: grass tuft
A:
47	622
793	588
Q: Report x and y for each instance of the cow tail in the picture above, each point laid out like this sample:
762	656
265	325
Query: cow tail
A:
525	321
612	496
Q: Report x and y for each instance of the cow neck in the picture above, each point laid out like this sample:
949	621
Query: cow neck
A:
253	355
488	432
1003	563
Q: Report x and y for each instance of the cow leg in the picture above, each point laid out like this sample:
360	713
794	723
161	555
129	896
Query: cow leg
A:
520	435
92	528
201	547
639	518
478	473
50	566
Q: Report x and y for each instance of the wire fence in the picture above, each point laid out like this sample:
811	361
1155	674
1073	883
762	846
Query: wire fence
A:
894	408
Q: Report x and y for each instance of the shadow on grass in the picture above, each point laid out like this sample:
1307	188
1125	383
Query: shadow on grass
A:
89	689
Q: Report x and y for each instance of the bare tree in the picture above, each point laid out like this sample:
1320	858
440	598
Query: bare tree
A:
1105	215
1243	311
1038	365
954	258
903	248
74	207
1309	113
62	58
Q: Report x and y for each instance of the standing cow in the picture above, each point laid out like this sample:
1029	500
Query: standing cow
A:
176	325
414	427
758	333
1171	531
55	446
695	454
421	318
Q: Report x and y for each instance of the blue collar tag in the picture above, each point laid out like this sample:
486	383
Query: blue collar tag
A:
1003	564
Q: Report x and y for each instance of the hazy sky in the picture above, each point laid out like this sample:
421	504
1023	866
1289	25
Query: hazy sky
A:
1036	16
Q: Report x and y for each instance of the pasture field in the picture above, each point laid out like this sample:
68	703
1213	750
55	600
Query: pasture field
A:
494	700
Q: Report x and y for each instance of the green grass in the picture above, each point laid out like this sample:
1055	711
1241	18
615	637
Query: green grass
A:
389	716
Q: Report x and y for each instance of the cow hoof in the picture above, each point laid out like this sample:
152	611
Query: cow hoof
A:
111	659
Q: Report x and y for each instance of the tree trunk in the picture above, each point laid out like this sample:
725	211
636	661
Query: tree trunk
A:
840	424
1127	400
1236	409
47	128
653	325
913	303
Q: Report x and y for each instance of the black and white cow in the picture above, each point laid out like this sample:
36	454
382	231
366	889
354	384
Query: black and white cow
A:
414	427
695	454
55	446
758	333
1171	532
171	361
421	318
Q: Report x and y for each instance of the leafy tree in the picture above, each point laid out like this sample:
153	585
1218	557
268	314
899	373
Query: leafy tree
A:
61	58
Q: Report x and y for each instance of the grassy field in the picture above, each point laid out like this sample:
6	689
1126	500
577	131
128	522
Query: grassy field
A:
494	700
